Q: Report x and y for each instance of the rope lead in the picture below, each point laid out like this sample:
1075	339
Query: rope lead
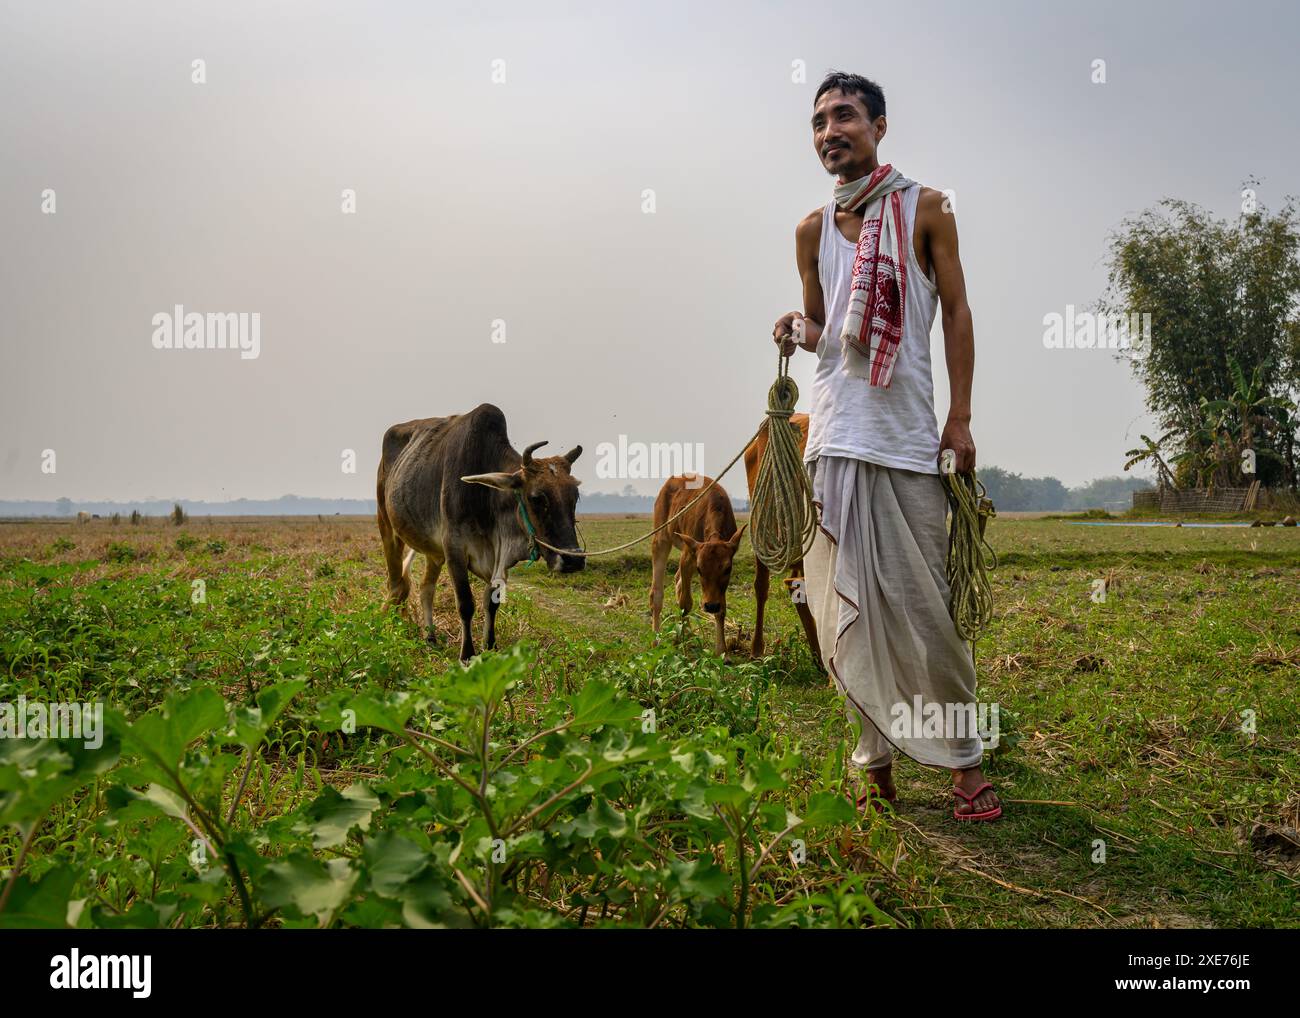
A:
782	516
971	605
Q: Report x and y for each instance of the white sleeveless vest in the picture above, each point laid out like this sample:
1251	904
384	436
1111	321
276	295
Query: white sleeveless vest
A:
892	427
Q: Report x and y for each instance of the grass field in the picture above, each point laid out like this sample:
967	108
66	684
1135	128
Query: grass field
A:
1122	731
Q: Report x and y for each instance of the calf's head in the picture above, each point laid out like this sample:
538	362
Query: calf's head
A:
713	560
550	493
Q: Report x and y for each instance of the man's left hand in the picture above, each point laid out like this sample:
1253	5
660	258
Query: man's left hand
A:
956	436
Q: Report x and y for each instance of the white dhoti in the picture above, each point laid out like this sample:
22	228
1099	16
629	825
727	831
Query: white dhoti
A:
877	585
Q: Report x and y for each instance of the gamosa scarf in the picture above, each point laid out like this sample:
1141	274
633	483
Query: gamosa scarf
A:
873	324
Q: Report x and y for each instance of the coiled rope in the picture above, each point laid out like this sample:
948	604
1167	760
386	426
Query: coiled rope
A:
970	556
782	516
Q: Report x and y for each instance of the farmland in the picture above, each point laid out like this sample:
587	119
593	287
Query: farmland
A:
284	750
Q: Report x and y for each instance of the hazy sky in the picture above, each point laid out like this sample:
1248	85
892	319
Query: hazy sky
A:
522	202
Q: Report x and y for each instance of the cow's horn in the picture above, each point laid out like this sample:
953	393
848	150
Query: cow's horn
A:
528	453
573	454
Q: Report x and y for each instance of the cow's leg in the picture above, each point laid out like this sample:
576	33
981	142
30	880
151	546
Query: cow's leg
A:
459	570
399	583
761	583
432	568
492	596
799	591
659	552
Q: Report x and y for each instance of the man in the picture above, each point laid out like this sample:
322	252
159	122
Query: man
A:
874	262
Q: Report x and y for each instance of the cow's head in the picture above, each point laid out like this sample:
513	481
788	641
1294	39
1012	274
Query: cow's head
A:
713	562
550	493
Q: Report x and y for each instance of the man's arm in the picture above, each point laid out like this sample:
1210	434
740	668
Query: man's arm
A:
807	241
939	234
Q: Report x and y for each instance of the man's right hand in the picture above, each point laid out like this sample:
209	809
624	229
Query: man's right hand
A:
790	332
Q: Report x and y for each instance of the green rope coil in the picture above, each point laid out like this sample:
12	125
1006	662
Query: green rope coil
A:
783	518
970	556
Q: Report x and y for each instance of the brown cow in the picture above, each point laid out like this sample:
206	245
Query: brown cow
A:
708	539
753	456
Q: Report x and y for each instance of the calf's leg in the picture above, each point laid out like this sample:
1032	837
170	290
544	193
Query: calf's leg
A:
720	645
685	573
659	551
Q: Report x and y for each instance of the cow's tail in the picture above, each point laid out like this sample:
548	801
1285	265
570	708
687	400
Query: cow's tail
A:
407	559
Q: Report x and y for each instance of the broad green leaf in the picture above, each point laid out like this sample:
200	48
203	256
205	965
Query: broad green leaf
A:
37	773
303	884
828	808
252	723
163	734
333	814
40	904
392	860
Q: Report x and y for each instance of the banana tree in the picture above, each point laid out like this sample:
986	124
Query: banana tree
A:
1149	452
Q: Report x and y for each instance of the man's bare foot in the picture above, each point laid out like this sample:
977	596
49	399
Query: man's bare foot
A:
968	781
883	779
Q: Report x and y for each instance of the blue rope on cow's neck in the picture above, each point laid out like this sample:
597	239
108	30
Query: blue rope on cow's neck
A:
532	533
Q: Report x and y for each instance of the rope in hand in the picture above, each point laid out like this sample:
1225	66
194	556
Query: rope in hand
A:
782	516
970	556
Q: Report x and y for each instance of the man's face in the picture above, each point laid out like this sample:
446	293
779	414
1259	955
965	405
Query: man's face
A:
844	135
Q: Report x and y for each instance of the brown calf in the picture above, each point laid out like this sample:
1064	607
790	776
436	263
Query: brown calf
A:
794	582
708	539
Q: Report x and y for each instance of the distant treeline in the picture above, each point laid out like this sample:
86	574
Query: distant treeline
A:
1046	494
286	505
1009	491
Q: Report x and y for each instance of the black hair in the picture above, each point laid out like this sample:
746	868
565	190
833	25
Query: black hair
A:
871	94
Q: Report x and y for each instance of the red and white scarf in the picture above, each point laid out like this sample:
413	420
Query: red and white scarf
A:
873	324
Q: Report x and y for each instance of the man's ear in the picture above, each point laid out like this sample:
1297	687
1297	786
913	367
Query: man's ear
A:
690	542
735	538
503	481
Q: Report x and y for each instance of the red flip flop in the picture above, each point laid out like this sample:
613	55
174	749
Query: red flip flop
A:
988	814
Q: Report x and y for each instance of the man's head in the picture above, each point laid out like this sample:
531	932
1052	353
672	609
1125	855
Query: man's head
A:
713	560
848	124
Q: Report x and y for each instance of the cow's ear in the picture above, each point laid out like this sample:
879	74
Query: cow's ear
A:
689	542
573	454
504	481
735	538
